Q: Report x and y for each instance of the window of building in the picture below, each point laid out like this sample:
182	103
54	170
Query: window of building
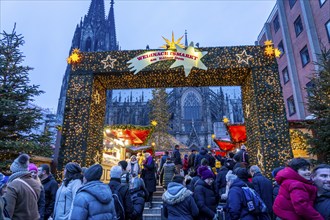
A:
304	55
327	27
285	75
291	106
298	27
292	2
281	47
309	86
322	2
191	107
276	24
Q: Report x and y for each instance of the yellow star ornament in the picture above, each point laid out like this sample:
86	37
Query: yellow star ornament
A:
243	57
188	58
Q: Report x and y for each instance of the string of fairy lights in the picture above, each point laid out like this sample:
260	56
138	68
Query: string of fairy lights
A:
248	66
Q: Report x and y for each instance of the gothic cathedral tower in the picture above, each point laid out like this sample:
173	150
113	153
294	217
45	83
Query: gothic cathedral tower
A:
95	32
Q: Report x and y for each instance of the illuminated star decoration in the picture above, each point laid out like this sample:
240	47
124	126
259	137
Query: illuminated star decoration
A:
225	120
243	57
108	62
188	63
75	57
270	50
171	45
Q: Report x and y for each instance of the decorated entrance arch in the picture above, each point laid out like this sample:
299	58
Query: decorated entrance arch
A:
93	73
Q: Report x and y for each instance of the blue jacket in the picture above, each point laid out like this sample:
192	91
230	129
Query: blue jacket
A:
93	201
236	207
179	203
205	199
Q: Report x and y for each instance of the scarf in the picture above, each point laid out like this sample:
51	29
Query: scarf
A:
17	175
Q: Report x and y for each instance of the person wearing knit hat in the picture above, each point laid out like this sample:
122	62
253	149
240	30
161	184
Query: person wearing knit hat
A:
33	169
205	195
93	173
71	183
122	190
23	188
3	211
94	199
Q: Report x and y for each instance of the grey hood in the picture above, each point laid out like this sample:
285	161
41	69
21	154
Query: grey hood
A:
175	193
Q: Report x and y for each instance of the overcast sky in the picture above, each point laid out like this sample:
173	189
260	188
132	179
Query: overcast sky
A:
48	27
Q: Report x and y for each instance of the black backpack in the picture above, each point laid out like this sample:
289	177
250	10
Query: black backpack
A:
118	200
253	201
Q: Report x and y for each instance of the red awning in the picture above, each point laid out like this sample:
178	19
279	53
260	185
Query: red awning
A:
237	133
224	145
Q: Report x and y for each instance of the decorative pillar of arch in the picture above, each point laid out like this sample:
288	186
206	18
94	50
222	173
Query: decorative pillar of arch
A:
264	113
82	141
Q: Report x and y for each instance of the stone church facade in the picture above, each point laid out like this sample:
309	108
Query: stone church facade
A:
193	110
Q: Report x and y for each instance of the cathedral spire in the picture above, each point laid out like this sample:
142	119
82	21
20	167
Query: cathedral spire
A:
112	28
185	38
96	12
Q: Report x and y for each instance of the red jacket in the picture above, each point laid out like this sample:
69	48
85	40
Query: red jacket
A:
296	197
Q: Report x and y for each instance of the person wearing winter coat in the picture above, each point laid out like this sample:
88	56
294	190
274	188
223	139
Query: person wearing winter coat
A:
149	177
243	174
236	207
133	166
163	160
138	196
263	187
321	178
220	181
50	185
242	156
94	199
185	164
297	193
23	192
178	201
33	169
191	159
115	184
67	192
201	155
205	196
3	184
167	172
177	158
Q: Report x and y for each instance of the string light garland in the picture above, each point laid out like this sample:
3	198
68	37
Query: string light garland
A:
266	124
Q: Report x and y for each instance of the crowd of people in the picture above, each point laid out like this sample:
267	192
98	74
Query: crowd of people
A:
200	186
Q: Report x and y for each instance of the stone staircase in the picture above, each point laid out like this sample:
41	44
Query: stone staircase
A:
157	202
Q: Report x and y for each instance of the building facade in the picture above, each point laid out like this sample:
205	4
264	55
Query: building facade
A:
300	29
193	112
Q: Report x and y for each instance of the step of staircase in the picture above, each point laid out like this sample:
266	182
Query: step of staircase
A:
155	212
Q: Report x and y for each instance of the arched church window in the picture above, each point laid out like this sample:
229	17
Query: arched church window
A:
88	44
191	107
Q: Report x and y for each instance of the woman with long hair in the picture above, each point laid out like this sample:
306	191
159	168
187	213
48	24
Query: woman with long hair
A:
66	193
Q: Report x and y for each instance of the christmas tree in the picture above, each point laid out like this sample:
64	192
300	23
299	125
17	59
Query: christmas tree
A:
160	114
319	107
18	117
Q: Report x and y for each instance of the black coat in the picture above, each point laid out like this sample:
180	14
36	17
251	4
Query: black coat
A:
322	205
235	206
264	188
179	203
205	199
124	194
177	157
191	160
149	176
50	186
220	181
